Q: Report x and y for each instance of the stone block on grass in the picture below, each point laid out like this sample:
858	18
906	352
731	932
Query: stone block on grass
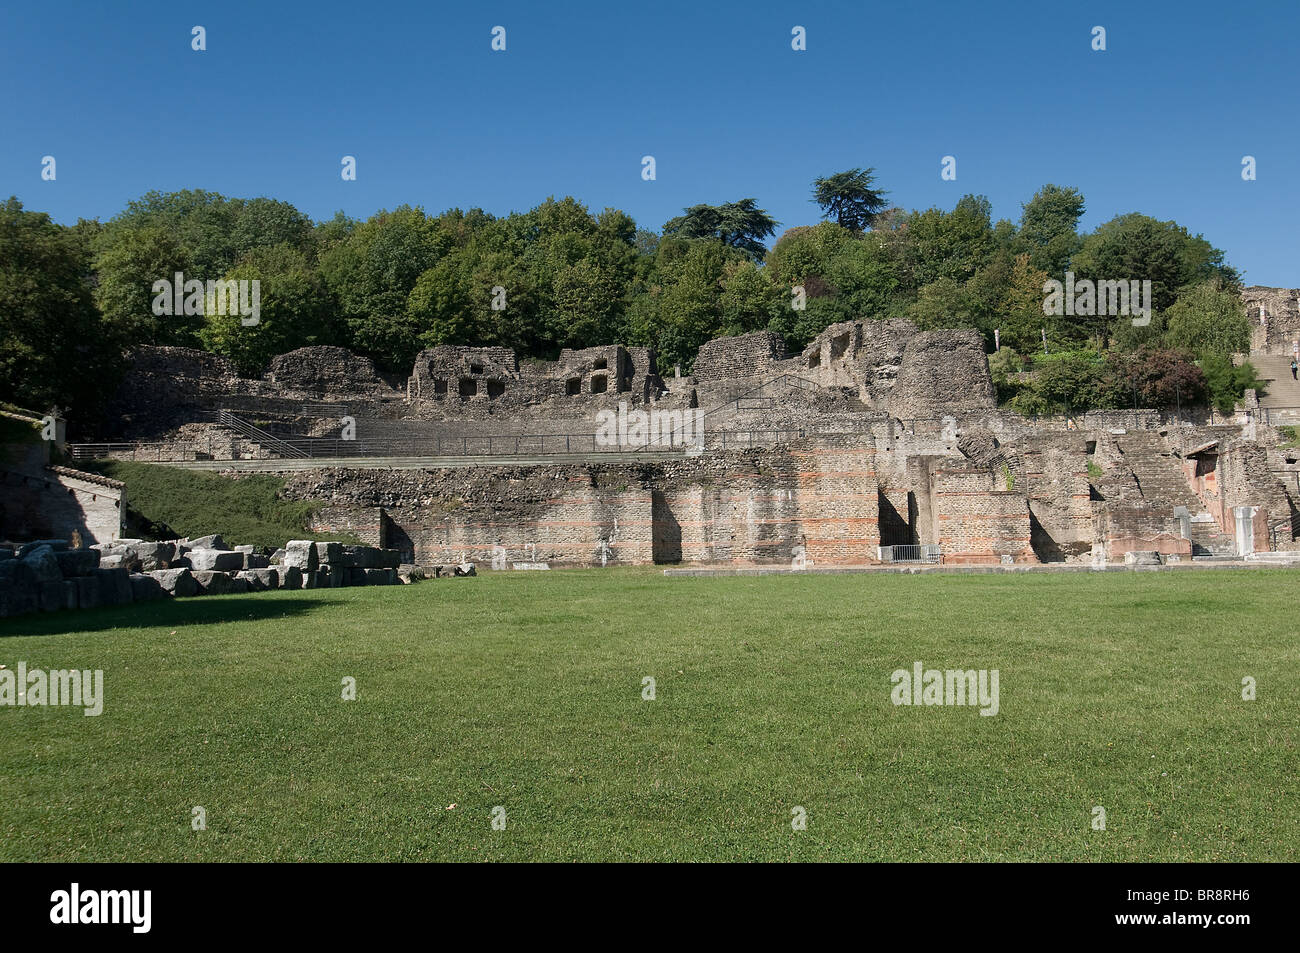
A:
144	587
216	559
212	582
301	554
176	582
114	586
77	562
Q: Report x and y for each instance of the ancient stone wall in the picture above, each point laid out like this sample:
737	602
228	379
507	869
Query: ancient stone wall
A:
942	373
979	522
863	356
1138	527
325	372
56	502
813	502
1274	315
746	355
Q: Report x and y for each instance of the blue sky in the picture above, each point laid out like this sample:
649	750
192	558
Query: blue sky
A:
1157	123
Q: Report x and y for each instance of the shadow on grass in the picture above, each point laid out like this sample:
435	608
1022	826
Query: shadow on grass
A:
197	610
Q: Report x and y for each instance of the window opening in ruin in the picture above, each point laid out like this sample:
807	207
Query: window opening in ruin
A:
476	368
439	385
815	359
573	386
599	384
496	389
599	364
839	345
1092	446
468	387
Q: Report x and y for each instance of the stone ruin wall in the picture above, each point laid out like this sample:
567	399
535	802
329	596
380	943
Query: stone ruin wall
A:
890	417
1277	329
816	502
977	521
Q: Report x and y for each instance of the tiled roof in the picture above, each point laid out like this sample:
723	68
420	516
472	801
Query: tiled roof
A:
87	477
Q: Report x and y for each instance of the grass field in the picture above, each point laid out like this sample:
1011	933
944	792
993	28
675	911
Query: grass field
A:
524	690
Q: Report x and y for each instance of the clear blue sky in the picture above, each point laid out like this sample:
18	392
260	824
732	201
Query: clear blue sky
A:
1158	123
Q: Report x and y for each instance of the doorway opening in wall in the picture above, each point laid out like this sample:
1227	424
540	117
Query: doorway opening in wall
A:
895	526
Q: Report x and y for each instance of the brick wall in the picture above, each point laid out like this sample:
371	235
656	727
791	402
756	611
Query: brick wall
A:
978	523
817	502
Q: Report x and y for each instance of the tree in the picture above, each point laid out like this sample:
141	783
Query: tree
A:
1207	320
749	302
128	264
295	311
1137	247
844	275
1157	377
849	198
54	349
935	244
1227	383
1022	316
372	273
1048	228
740	225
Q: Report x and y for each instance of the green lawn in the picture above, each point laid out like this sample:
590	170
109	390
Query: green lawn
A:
523	690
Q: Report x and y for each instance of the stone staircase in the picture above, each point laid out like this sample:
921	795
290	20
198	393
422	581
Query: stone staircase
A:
1159	474
1282	390
1161	483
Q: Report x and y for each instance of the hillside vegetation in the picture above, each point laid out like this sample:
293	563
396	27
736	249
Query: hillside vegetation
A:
169	503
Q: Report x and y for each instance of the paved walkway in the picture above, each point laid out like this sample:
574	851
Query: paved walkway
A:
279	465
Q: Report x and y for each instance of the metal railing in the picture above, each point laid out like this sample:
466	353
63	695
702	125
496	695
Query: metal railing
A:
485	445
1278	416
258	436
1277	534
911	553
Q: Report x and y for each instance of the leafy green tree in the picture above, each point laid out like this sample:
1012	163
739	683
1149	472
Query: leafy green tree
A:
1137	247
128	265
934	244
1207	320
1049	228
1023	319
749	302
1227	383
946	303
295	311
848	197
844	276
740	225
680	306
1074	381
372	273
54	348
